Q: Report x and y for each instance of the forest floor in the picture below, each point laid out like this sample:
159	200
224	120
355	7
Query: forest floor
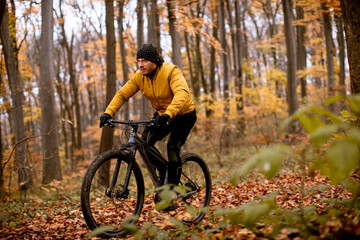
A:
55	213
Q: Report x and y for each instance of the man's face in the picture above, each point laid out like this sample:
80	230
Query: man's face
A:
146	66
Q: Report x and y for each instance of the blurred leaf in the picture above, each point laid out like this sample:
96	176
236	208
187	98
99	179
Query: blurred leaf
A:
222	212
344	155
297	115
180	189
308	210
311	123
139	235
130	228
351	185
346	114
355	133
323	133
324	112
323	187
12	224
235	216
334	99
271	159
246	167
99	231
162	234
327	169
166	196
268	160
354	102
178	224
254	212
192	210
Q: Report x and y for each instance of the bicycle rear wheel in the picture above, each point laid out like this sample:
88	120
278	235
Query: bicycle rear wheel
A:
196	179
111	209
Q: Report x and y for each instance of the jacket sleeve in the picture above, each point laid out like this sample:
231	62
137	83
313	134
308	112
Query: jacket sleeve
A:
122	96
180	90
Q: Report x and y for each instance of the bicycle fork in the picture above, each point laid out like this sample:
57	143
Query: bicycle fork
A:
125	191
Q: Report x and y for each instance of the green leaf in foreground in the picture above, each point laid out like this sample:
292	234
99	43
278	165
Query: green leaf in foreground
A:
354	102
254	212
268	160
323	133
344	155
99	231
334	99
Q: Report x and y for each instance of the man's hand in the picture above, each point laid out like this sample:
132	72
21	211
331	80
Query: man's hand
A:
103	119
161	120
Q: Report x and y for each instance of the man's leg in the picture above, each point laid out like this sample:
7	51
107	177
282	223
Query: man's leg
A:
150	137
178	136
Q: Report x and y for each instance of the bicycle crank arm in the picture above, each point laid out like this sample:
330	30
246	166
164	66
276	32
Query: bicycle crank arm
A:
188	194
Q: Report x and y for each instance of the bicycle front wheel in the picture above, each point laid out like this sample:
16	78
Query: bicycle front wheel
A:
112	207
197	181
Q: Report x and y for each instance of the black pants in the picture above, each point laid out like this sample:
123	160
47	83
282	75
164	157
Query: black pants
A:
179	130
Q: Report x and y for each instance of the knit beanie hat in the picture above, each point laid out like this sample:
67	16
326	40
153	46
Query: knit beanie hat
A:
149	52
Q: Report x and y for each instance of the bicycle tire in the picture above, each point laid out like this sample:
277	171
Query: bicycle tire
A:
194	167
100	210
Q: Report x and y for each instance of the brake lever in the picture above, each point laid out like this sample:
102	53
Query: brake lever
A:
109	123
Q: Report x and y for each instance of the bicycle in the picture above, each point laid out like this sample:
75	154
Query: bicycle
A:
113	192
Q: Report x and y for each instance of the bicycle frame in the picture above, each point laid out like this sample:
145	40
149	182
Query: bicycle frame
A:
134	144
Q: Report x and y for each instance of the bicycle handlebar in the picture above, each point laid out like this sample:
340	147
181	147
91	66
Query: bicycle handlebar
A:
111	122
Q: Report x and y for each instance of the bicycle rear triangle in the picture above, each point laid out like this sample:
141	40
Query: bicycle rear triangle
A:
113	192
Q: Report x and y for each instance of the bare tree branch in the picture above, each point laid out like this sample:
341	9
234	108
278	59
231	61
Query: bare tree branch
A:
21	141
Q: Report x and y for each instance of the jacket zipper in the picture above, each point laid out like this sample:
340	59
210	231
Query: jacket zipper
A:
152	85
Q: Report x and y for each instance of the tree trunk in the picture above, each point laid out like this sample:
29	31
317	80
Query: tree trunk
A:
194	84
270	15
153	37
90	87
2	10
301	50
291	57
229	8
225	136
235	30
240	122
153	24
49	124
139	104
245	49
73	85
329	48
2	187
140	23
123	54
199	73
239	78
108	133
351	16
16	112
214	17
341	45
175	37
63	107
224	57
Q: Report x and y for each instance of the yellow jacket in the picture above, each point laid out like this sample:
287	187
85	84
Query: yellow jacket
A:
167	92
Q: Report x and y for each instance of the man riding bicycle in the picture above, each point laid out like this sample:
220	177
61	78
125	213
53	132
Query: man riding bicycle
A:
164	85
